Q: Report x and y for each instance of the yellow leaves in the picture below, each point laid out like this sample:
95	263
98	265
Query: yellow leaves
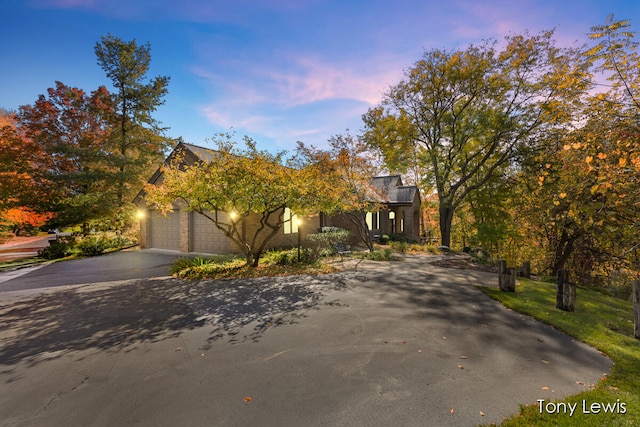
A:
561	196
575	146
622	162
540	180
589	159
602	156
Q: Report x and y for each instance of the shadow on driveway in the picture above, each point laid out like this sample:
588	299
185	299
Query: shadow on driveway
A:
112	316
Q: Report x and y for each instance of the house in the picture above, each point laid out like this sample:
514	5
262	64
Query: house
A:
184	231
400	215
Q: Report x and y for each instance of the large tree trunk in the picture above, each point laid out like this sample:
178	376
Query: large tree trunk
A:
563	251
446	218
359	220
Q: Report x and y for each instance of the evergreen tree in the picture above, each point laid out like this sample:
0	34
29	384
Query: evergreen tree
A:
137	143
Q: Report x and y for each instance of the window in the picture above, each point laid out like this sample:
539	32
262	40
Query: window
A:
290	222
372	220
392	222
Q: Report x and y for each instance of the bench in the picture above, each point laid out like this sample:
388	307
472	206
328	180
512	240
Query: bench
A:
341	249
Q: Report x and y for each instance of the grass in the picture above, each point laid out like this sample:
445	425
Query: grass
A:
22	263
601	321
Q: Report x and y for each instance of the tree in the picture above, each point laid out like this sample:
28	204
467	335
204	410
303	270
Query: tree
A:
18	184
606	152
466	116
341	181
137	144
236	189
583	188
70	128
23	218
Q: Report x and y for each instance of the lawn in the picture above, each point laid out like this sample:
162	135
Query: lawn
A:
601	321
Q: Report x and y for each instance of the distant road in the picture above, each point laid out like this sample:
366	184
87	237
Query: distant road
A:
23	247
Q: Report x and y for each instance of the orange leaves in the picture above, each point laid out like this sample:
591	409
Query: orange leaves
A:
622	162
22	217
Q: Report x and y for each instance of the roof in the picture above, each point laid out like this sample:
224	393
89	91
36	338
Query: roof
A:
387	188
206	154
396	193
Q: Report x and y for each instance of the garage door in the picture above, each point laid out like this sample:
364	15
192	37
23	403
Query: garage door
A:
164	231
207	238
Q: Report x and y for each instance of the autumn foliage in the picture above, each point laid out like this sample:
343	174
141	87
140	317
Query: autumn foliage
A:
76	157
22	218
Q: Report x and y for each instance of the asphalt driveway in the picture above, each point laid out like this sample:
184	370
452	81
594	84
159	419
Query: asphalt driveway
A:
115	266
380	344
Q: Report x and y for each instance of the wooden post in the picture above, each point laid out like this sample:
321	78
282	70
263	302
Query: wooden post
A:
525	269
569	296
506	277
560	279
565	292
502	265
635	293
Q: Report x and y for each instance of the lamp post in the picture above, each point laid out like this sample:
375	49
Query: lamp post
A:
298	222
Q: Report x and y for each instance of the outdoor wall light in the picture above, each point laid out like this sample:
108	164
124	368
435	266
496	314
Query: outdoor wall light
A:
233	215
140	214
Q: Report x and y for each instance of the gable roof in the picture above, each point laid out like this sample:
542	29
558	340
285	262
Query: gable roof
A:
192	153
205	154
395	193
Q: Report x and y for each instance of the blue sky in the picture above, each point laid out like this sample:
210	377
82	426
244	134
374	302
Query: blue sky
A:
277	70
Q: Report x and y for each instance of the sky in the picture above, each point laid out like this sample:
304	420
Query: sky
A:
279	71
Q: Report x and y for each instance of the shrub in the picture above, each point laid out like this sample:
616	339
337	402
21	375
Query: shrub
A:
4	236
185	263
400	238
211	268
92	246
479	255
400	246
319	243
385	254
119	242
59	248
289	257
